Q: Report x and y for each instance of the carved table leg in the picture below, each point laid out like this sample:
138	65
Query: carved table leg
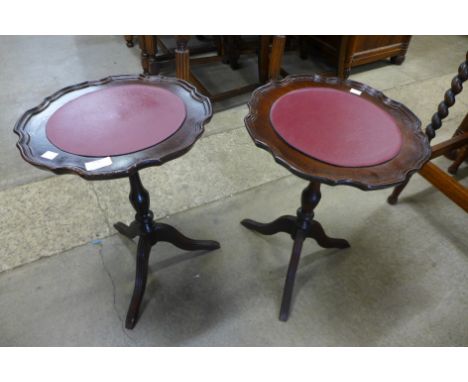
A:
150	233
301	227
286	223
167	233
182	58
149	49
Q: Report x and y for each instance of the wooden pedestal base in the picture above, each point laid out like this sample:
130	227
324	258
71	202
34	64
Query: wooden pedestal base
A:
150	233
300	228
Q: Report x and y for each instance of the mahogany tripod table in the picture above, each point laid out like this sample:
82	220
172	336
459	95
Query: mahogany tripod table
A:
332	131
111	129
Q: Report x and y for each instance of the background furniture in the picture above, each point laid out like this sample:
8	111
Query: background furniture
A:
347	52
226	49
341	122
103	130
456	148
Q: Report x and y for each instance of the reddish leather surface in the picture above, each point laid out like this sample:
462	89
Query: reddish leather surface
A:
116	120
336	127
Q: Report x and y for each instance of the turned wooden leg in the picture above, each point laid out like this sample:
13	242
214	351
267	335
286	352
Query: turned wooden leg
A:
291	275
150	233
149	49
393	198
300	228
182	58
276	57
143	251
286	223
167	233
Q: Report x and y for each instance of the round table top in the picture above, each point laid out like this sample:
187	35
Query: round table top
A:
112	127
116	120
336	131
336	126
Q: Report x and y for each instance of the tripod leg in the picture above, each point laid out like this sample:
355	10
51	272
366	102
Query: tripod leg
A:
318	234
291	275
129	231
286	223
143	251
165	232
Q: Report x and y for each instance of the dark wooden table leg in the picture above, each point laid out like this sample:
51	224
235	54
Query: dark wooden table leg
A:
182	58
167	233
149	49
143	252
291	275
286	223
150	233
310	199
131	231
301	227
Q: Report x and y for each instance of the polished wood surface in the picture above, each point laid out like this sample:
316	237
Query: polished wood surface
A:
33	141
415	150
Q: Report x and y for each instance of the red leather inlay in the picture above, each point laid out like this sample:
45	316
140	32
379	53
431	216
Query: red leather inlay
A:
116	120
336	127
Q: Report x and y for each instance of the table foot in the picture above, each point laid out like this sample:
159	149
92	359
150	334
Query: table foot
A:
318	234
286	223
131	231
167	233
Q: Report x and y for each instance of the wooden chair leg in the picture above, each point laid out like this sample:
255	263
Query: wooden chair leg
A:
263	58
276	57
462	155
182	58
149	49
344	56
452	154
